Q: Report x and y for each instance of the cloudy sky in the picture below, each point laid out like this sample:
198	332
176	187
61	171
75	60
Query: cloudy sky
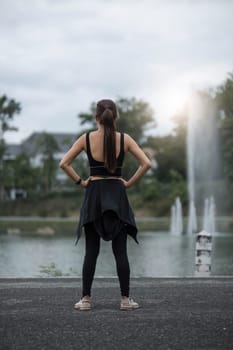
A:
57	56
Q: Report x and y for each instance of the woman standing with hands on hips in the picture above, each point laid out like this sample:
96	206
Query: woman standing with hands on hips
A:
106	212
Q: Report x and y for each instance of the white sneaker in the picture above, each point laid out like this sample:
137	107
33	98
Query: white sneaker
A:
129	304
83	305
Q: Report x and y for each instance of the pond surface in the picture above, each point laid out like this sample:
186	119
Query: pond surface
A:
159	254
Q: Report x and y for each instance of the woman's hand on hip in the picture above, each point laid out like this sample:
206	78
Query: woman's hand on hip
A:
125	183
84	183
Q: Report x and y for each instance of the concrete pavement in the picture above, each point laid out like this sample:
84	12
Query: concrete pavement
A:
176	313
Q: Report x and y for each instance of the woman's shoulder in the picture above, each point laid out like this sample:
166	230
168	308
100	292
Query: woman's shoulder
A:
87	134
128	142
81	139
127	137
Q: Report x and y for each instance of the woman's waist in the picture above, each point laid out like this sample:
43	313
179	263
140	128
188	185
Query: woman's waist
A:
104	177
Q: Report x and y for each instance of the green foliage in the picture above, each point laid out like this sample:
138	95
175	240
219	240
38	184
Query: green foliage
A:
48	146
178	186
25	176
135	117
2	148
8	109
149	189
224	98
170	155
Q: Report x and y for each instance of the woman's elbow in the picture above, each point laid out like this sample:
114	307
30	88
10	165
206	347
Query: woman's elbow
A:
62	164
147	164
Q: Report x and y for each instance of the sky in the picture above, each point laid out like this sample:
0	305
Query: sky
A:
57	57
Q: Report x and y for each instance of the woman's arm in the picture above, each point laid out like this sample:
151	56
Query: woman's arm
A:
145	163
68	158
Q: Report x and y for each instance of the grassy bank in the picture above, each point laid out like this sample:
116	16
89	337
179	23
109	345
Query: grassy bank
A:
67	226
63	226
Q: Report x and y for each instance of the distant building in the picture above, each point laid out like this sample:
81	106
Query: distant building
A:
31	146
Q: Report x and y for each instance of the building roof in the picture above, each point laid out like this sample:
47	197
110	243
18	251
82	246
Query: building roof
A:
12	151
31	145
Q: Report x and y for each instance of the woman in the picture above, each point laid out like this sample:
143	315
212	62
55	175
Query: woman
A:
106	212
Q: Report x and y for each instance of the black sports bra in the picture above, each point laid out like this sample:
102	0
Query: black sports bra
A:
97	168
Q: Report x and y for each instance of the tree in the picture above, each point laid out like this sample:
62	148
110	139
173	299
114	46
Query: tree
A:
48	146
25	177
8	109
171	150
224	99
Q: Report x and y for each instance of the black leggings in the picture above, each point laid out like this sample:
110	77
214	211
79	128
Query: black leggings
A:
119	248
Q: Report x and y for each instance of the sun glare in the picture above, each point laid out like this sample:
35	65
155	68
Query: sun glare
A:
173	101
169	101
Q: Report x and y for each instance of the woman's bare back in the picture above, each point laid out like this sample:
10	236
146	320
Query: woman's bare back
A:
97	142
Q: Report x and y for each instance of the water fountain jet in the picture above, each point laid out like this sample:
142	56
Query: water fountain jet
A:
202	159
176	218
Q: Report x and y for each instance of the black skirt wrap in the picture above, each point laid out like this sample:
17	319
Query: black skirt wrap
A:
106	206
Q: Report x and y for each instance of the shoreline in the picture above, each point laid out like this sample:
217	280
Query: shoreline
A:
36	225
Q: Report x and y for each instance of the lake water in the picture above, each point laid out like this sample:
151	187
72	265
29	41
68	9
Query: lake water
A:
159	254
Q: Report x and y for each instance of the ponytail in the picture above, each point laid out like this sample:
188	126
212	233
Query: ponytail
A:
109	140
107	113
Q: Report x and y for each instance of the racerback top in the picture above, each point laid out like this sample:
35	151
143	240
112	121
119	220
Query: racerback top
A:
97	168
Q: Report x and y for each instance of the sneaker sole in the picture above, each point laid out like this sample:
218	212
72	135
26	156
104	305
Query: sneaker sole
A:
127	308
82	308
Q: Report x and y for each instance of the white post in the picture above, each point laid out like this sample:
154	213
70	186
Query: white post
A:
203	254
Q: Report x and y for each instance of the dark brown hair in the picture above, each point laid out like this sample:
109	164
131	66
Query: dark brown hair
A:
106	113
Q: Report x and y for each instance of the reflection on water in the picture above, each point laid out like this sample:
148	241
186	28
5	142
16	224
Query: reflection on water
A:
158	254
